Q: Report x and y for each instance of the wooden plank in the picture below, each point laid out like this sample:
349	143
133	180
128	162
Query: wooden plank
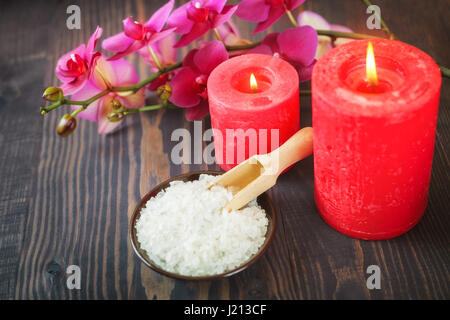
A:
24	67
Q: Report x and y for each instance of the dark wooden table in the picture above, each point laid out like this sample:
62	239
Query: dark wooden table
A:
67	201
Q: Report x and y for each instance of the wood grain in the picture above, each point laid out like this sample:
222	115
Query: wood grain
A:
68	201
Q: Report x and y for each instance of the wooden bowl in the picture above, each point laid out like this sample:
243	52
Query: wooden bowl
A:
263	200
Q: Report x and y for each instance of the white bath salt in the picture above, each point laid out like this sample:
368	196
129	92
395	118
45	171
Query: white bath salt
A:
184	230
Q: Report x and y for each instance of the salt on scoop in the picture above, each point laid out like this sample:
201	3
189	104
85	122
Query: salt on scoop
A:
184	231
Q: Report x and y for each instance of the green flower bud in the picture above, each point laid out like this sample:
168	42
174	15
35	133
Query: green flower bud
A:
115	116
52	94
115	104
66	125
164	92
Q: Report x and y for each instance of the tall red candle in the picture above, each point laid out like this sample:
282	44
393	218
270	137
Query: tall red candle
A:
269	114
373	145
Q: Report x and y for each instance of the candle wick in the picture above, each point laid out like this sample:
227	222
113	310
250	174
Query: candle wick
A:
372	84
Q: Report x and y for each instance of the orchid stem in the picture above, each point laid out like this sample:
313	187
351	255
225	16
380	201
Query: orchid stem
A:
135	88
154	57
45	110
82	108
148	108
243	46
291	18
330	33
87	102
217	35
350	35
64	101
105	80
445	71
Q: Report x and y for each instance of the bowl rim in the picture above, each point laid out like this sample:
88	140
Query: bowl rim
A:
143	257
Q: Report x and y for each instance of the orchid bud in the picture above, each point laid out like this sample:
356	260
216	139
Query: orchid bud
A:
52	94
133	29
196	12
164	92
66	125
115	104
115	116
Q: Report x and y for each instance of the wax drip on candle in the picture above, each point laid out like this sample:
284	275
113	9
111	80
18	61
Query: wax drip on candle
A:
253	83
371	69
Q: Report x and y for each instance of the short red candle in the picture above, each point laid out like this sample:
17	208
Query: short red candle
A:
373	150
233	105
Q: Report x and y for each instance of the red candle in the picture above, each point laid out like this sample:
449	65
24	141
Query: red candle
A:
252	114
374	137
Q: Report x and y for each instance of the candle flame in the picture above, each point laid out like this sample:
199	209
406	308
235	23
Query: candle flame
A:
371	69
253	83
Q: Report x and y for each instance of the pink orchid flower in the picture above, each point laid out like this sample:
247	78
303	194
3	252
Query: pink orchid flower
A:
189	83
231	37
109	73
265	12
230	34
162	80
296	45
137	35
309	18
166	55
196	17
75	67
164	52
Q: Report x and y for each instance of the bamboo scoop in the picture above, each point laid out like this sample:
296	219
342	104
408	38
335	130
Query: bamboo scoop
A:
259	173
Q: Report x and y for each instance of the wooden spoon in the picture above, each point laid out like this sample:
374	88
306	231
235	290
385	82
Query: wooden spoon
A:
259	173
